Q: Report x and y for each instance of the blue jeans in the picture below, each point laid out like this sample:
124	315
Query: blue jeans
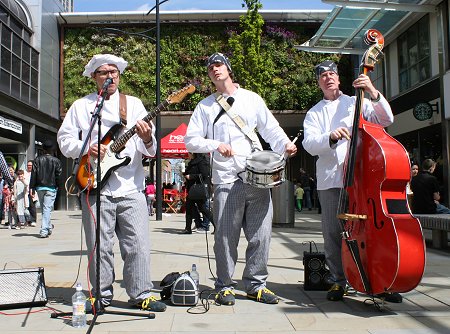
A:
442	209
46	199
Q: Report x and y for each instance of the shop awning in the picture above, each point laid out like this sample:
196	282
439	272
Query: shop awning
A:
344	28
172	145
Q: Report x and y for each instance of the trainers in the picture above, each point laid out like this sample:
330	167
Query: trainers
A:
264	295
335	293
151	304
391	297
51	230
185	232
32	224
201	230
225	297
43	235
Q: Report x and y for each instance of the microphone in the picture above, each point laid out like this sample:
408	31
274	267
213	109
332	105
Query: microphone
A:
106	84
230	101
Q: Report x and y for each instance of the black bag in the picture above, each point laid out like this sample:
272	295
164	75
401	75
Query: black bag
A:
199	191
167	283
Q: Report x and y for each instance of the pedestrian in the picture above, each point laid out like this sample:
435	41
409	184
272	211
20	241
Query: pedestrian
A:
327	128
425	188
299	197
32	200
197	171
20	194
123	206
150	193
45	179
237	205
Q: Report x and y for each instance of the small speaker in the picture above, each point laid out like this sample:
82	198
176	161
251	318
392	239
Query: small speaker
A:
22	288
317	275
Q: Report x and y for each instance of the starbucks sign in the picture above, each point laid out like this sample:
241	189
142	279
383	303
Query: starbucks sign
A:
423	111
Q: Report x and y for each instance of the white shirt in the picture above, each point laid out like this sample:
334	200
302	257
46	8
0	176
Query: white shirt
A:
203	137
325	117
126	179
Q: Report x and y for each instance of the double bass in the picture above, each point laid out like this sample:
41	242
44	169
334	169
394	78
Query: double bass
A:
383	248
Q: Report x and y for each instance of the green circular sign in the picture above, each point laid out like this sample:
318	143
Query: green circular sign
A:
423	111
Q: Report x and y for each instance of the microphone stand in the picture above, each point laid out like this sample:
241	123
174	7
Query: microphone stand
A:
97	307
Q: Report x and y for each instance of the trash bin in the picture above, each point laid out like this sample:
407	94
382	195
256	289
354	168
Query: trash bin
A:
283	205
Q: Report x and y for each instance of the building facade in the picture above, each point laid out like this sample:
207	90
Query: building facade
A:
29	79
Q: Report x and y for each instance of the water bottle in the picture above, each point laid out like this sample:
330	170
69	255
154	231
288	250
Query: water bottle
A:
195	276
79	308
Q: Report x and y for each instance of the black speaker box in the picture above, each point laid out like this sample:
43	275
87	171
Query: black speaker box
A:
22	288
317	275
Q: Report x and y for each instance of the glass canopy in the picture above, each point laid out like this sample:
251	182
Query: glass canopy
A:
344	28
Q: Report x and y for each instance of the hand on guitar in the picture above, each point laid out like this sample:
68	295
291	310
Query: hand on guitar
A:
93	151
144	131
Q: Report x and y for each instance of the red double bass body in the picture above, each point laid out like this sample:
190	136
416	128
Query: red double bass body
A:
383	247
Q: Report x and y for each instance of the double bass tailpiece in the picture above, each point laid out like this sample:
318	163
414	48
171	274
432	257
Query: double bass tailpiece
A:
351	216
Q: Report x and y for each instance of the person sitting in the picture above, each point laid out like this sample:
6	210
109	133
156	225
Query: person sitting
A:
425	188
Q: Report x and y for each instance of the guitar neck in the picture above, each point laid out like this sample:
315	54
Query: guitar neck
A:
120	142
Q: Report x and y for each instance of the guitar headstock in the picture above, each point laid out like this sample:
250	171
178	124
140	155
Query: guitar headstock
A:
179	95
375	39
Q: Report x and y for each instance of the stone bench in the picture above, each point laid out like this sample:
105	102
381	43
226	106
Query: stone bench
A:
439	224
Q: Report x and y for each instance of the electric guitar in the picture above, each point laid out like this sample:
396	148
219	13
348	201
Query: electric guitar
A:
87	172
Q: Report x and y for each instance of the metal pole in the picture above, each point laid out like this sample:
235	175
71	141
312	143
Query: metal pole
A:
158	119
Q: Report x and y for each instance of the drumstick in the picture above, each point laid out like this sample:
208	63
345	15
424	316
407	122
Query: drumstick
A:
286	155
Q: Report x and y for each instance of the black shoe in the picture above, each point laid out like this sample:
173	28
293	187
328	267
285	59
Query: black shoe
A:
225	297
264	295
151	304
335	293
185	232
391	297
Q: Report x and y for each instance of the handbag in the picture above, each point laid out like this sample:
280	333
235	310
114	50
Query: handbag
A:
198	191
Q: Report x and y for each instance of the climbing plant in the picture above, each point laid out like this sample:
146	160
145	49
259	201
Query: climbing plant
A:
280	73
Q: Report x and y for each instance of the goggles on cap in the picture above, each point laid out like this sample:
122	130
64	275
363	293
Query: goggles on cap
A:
218	58
325	66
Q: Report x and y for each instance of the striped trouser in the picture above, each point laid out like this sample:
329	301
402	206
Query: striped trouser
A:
241	206
127	217
332	233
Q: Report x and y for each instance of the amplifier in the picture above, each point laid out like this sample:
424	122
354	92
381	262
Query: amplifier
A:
317	275
22	288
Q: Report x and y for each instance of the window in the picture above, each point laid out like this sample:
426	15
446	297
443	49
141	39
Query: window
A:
414	55
19	62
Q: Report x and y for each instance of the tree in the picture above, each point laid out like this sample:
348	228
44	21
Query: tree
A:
250	67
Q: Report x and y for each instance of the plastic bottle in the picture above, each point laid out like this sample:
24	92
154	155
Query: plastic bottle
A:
195	276
79	308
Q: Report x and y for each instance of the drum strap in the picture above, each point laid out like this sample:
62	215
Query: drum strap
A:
250	133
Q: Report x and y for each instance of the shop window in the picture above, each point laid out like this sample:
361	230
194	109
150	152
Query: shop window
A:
6	37
414	55
5	79
19	62
6	59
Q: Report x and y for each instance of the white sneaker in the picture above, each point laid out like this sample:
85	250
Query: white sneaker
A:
33	224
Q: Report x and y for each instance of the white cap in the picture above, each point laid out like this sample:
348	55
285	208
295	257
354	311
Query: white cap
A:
103	59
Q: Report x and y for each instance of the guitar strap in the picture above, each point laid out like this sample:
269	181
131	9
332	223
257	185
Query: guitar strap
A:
249	132
123	109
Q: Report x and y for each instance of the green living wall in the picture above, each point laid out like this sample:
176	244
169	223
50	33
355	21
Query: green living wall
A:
184	50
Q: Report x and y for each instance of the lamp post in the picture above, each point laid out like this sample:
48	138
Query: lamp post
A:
157	41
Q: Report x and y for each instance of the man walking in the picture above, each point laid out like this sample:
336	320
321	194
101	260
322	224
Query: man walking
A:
45	176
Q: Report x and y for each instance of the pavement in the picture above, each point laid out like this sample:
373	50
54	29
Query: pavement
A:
425	310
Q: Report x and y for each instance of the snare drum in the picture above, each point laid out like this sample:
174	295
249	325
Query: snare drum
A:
265	169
